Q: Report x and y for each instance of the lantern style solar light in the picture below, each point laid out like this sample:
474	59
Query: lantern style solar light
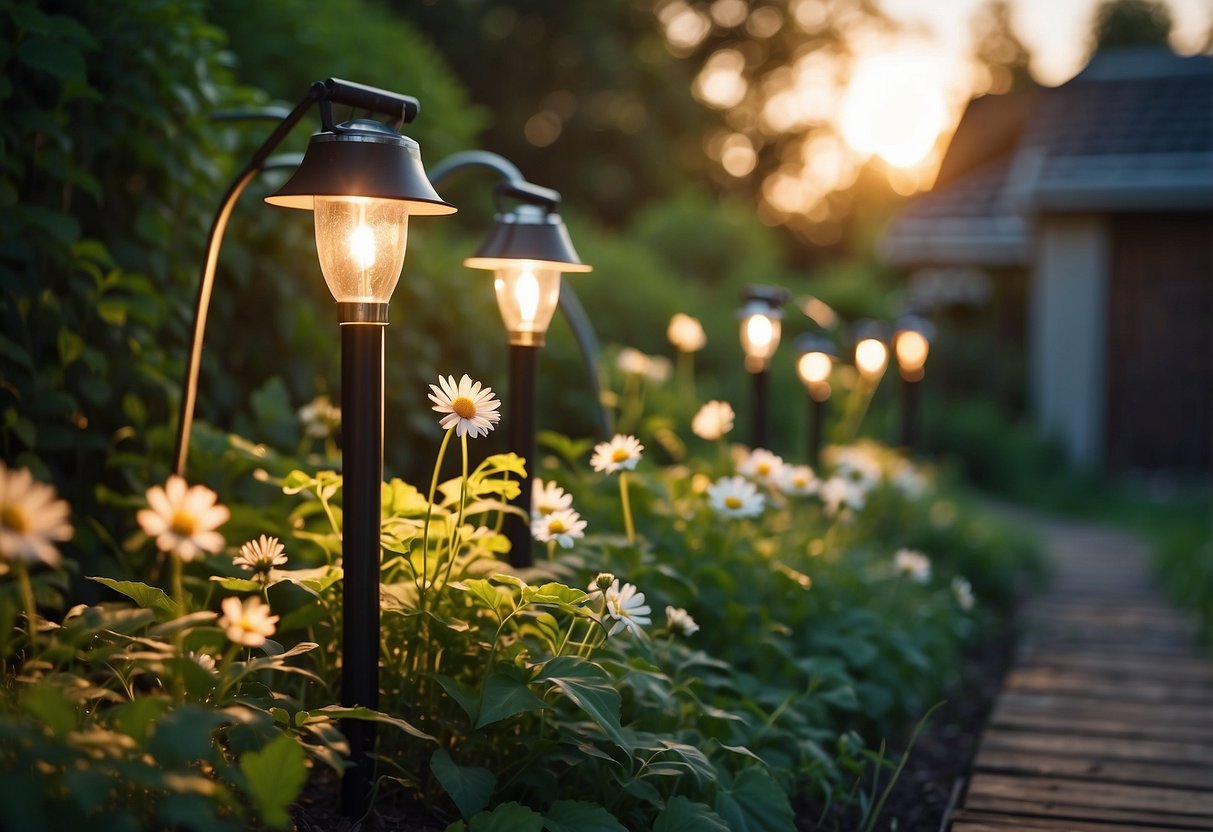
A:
871	353
911	343
761	324
527	249
814	366
362	180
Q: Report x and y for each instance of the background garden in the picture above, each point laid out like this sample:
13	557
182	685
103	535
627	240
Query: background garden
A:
783	626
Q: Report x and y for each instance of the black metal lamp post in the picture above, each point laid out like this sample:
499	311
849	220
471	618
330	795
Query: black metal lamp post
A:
814	366
527	248
362	180
761	322
911	342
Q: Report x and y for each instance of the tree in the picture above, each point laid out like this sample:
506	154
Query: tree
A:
999	50
1130	23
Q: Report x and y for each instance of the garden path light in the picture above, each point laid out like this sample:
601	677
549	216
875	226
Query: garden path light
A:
761	322
911	343
814	366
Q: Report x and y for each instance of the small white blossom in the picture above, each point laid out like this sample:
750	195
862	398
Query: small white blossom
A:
620	454
713	420
679	621
658	369
468	408
686	333
563	526
320	418
735	497
547	497
248	623
858	464
204	660
797	480
906	479
183	518
627	608
601	583
761	465
32	519
914	564
837	492
261	555
632	362
963	592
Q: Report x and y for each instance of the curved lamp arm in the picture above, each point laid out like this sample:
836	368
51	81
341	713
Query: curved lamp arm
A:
570	306
400	108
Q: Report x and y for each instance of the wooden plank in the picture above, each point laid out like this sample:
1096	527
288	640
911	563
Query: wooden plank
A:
1098	724
1098	748
1111	686
1148	665
1071	814
1160	803
966	820
1080	705
1112	771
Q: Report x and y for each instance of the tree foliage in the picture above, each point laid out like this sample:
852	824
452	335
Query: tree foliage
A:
999	50
1130	23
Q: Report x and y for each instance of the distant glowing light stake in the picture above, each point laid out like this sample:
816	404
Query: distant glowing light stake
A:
761	327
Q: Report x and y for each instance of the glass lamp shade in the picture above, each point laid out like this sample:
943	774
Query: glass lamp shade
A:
527	294
361	245
871	358
911	348
760	332
814	368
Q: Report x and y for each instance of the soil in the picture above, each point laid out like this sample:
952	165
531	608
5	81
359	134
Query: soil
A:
920	800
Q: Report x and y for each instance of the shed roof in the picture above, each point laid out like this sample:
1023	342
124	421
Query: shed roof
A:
1132	132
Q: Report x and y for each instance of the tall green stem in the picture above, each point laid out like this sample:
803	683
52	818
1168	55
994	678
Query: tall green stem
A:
26	588
429	513
178	586
453	547
627	508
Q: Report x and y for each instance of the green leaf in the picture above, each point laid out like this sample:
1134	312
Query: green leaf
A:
464	697
487	594
579	816
237	584
52	57
183	736
508	817
503	696
469	786
47	703
148	597
591	688
275	775
755	803
553	593
364	713
682	815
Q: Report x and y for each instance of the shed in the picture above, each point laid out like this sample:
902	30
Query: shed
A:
1101	191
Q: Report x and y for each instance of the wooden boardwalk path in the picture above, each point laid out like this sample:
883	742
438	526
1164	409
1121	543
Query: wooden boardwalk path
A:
1105	721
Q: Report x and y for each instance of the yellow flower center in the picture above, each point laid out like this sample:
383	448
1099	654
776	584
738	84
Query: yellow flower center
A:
732	502
464	407
556	527
183	524
14	519
764	469
620	455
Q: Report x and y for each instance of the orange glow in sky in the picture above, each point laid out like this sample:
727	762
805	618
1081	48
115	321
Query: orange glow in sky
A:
894	107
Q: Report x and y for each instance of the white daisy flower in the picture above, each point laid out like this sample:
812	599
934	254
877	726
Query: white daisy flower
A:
735	497
679	621
261	555
547	497
468	408
686	333
627	608
836	492
761	465
31	518
620	454
320	418
248	623
914	564
601	583
563	526
859	464
907	480
632	362
713	420
963	592
183	518
658	369
204	660
797	480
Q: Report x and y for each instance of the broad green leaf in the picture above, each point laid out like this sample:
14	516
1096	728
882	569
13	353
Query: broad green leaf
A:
504	696
274	775
237	584
553	593
52	57
149	597
591	688
465	698
47	704
487	594
755	803
508	817
682	815
579	816
469	786
184	735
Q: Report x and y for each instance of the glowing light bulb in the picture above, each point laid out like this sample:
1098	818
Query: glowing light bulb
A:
759	331
362	246
814	367
911	350
871	357
526	295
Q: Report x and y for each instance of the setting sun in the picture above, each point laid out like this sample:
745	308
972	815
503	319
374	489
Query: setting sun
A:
894	107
